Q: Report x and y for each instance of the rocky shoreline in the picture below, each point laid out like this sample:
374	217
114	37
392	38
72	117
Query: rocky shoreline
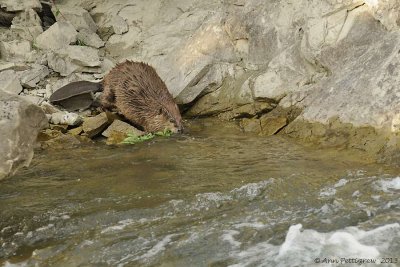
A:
324	72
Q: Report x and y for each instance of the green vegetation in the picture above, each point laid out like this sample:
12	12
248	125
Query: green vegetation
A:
134	139
80	42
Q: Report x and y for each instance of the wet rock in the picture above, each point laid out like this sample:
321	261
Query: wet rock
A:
48	134
116	138
93	126
63	141
20	5
58	36
271	124
16	51
59	127
66	118
20	123
250	125
9	82
121	127
76	131
30	78
27	25
90	38
75	15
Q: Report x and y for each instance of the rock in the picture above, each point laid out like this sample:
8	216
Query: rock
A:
62	65
49	108
58	36
76	131
4	65
20	5
62	141
27	25
93	126
66	118
48	134
59	127
116	138
250	125
9	82
269	86
270	124
74	58
119	25
32	99
82	55
90	38
209	79
75	15
29	78
121	127
20	123
362	91
15	51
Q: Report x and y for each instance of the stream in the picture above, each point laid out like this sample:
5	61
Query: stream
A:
214	196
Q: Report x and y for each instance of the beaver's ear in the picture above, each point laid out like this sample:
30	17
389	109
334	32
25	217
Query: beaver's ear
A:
160	111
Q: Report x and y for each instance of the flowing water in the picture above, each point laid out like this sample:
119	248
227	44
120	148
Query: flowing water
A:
212	197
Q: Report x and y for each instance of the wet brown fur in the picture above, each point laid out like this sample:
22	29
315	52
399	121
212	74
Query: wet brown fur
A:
136	90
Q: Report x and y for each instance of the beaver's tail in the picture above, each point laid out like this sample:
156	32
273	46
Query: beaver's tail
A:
76	95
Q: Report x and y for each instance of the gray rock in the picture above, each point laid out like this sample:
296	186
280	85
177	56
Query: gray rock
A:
361	91
90	38
16	51
20	123
93	126
119	25
9	82
29	78
27	25
61	64
58	36
82	55
20	5
73	58
76	15
36	100
121	127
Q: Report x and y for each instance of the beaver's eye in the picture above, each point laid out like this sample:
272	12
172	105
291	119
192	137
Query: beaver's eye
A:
160	111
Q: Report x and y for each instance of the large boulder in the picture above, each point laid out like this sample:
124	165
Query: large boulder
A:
20	122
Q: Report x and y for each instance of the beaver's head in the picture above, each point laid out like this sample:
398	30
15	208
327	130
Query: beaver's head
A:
168	118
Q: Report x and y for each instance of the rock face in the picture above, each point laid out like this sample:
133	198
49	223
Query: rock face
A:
318	70
20	123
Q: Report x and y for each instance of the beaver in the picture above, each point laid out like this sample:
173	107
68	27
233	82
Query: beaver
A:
137	92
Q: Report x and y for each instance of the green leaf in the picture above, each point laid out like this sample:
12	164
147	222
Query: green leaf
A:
134	138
